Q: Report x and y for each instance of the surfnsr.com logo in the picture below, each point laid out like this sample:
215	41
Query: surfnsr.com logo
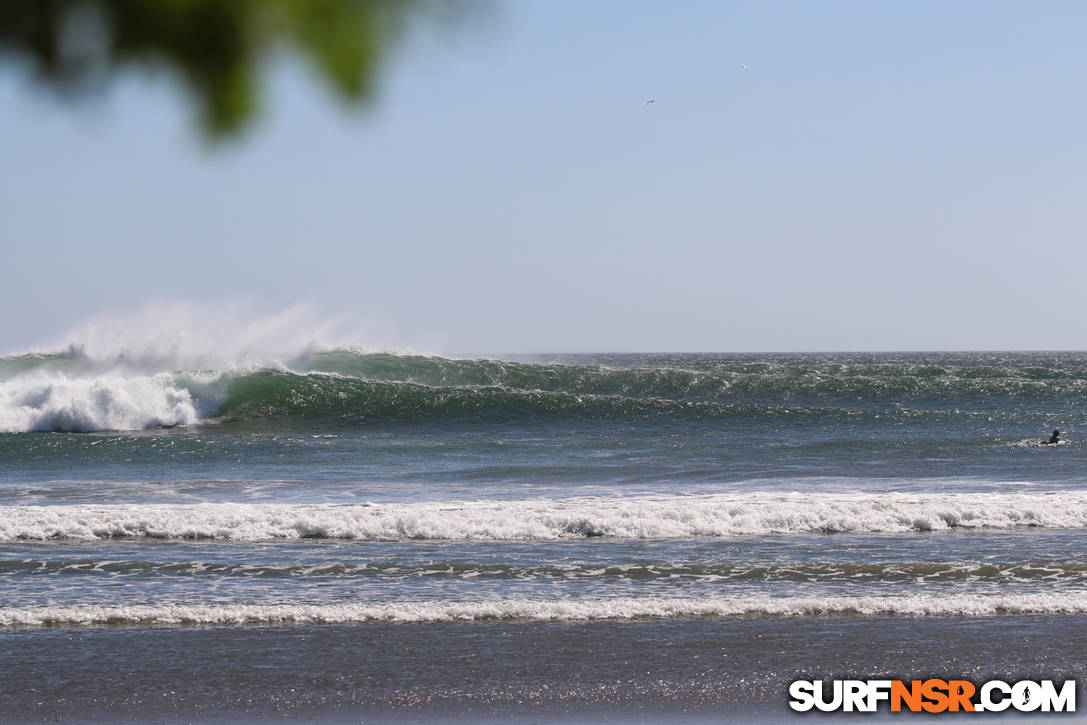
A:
932	695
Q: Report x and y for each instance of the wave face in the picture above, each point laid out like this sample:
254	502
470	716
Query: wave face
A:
534	610
673	517
71	392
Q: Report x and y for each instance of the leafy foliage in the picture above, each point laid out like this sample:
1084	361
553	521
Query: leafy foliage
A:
216	46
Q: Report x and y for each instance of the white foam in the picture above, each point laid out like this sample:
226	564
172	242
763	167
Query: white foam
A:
111	401
548	610
664	517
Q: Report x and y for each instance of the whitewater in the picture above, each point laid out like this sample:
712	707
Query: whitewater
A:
644	517
641	608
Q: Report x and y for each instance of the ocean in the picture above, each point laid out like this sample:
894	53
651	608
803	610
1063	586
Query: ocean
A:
339	535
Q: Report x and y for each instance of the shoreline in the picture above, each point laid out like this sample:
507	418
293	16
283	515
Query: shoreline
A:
547	672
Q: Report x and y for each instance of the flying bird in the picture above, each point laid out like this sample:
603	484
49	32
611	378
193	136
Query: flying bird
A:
651	100
743	67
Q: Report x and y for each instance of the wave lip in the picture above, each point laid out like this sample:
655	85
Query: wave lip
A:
647	517
547	610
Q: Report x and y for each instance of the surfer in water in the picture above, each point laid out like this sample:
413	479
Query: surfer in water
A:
1053	439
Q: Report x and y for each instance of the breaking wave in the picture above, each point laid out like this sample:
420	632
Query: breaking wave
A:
666	517
71	392
109	402
549	610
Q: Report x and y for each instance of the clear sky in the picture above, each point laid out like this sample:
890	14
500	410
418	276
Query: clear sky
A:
882	176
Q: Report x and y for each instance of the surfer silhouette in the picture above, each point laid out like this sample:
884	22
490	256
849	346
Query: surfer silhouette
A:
1053	439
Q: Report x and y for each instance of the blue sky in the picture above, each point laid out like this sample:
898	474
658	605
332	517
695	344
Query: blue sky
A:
881	177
